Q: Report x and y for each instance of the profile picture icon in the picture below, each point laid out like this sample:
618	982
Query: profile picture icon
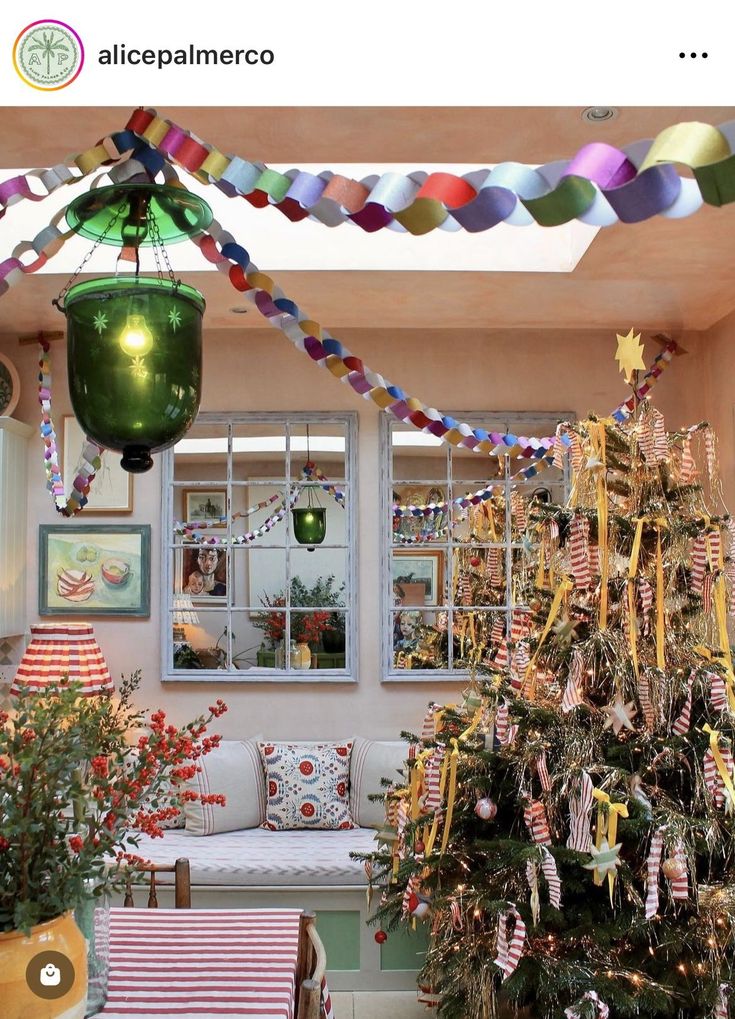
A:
48	55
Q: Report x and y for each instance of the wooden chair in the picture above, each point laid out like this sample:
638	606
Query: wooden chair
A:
182	883
311	963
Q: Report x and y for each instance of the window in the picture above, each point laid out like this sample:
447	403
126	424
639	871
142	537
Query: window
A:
455	532
259	566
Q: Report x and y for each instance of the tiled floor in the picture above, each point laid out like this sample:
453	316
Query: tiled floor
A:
378	1005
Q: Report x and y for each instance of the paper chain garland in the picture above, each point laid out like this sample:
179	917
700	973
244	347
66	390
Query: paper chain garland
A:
187	529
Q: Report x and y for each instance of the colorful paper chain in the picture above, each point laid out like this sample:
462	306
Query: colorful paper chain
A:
310	470
91	458
599	185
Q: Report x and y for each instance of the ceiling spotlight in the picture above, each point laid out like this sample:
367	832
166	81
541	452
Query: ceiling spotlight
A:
599	114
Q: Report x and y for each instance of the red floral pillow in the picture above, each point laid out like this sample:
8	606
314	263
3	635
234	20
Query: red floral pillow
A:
307	785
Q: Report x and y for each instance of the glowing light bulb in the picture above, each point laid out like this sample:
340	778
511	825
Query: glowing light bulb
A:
136	339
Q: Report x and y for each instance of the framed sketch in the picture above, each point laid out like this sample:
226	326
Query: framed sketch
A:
112	488
88	570
204	504
423	567
201	572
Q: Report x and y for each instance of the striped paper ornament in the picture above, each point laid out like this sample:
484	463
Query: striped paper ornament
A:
548	866
653	866
464	589
699	563
432	799
688	466
576	453
580	552
560	448
573	691
534	814
511	734
683	722
520	660
412	886
644	432
542	770
497	630
518	510
519	628
509	952
644	695
680	885
428	726
707	585
645	592
713	779
730	565
722	1010
580	809
495	566
455	911
501	723
661	439
717	691
710	446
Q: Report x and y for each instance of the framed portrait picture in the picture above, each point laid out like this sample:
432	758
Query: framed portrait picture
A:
201	572
204	504
88	570
417	570
112	488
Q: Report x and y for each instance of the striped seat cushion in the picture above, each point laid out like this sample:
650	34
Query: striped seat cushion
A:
253	857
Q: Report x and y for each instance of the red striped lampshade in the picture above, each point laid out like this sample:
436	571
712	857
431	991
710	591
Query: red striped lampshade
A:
58	650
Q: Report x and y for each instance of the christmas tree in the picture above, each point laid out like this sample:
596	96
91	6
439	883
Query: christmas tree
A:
566	832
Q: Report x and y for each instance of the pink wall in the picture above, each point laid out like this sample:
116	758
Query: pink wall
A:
259	370
720	398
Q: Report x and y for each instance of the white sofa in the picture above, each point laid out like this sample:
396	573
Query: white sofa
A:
252	867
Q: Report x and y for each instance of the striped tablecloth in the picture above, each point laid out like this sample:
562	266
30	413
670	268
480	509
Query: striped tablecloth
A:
194	962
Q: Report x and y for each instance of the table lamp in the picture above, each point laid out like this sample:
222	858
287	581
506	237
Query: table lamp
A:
61	650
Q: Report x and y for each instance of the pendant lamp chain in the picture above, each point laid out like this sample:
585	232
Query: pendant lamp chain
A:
57	301
159	250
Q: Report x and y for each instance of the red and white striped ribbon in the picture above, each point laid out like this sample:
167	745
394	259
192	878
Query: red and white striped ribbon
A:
432	780
715	548
534	814
688	468
580	552
680	885
412	887
682	723
519	663
573	691
548	866
661	439
710	446
646	595
497	630
509	953
707	586
653	866
713	779
501	723
699	563
511	736
518	510
576	452
495	566
542	770
722	1007
730	564
580	808
601	1009
644	431
717	692
520	627
464	589
428	726
560	448
644	695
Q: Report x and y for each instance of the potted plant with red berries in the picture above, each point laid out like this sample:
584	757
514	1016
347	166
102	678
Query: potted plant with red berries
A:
74	795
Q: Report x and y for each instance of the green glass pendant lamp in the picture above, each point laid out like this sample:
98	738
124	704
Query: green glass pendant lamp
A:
310	521
134	343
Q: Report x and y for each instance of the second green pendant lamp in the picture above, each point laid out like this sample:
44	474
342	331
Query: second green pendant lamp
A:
134	343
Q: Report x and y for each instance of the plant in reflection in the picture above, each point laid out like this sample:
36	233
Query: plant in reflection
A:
306	627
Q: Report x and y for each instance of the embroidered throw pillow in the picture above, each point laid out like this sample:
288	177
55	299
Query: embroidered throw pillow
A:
307	785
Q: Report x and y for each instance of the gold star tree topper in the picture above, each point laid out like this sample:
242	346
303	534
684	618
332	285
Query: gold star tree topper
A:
629	354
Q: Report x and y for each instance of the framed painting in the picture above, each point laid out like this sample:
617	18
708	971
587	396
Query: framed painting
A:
201	572
204	504
413	567
88	570
112	488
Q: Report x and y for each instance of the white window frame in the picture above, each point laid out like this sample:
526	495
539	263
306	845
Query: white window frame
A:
500	421
230	421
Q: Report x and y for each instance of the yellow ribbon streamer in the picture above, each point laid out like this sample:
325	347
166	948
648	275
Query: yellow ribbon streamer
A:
561	592
452	774
597	434
607	827
714	745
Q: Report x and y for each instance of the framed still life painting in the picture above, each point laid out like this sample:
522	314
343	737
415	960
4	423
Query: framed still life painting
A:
88	570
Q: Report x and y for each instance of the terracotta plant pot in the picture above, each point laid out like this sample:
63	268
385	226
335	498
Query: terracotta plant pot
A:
18	950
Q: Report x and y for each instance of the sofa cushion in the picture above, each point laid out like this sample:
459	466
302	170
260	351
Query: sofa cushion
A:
235	770
371	762
307	785
255	857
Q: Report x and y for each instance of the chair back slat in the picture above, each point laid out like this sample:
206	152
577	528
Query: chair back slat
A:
182	883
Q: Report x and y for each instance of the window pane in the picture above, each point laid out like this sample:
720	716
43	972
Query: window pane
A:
419	640
417	455
318	516
201	641
251	646
258	576
318	578
259	451
424	514
477	516
419	577
201	573
478	468
479	576
202	454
